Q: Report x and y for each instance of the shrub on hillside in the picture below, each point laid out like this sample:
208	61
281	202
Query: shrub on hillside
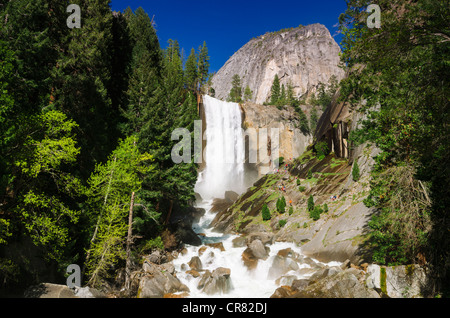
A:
266	213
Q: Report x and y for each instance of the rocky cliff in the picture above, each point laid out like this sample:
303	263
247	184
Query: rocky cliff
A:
292	142
304	57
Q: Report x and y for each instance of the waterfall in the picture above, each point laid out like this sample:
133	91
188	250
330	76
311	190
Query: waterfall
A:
224	171
225	153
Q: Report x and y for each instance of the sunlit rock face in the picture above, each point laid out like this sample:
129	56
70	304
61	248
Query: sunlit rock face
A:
303	57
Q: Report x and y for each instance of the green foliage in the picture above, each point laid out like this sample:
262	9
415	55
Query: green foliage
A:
324	94
266	216
290	98
355	171
191	73
282	223
236	90
302	188
400	71
275	91
46	217
313	119
400	229
152	244
67	98
203	64
310	203
303	126
109	194
325	208
291	210
248	94
315	213
321	149
309	175
279	161
281	205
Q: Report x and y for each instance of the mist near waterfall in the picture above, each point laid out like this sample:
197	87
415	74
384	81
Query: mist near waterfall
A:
224	154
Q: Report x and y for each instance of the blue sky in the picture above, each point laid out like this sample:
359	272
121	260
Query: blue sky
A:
227	25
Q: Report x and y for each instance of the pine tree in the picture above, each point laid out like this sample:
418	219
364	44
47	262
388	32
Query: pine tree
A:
145	77
82	77
282	99
281	205
275	91
203	64
313	119
303	120
191	71
248	94
355	171
266	213
290	98
309	175
310	203
236	89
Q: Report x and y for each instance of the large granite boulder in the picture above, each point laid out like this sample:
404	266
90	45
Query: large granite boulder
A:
217	282
254	252
406	281
337	283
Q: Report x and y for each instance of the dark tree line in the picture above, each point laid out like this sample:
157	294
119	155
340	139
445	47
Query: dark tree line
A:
86	117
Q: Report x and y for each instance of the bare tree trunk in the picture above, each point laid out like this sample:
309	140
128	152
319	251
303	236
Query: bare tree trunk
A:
170	212
129	242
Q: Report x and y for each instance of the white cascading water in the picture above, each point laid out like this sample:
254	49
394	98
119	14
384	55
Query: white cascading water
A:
224	171
225	153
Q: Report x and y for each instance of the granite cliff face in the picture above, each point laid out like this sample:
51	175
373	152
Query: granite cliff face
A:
292	142
304	57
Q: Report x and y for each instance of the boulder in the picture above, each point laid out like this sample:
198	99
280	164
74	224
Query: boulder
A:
195	263
202	250
239	241
88	292
407	281
217	245
325	272
185	234
265	237
254	252
283	262
340	239
220	205
250	261
286	280
47	290
217	282
259	250
193	273
231	196
182	295
300	284
158	284
342	284
283	292
198	197
155	257
306	271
